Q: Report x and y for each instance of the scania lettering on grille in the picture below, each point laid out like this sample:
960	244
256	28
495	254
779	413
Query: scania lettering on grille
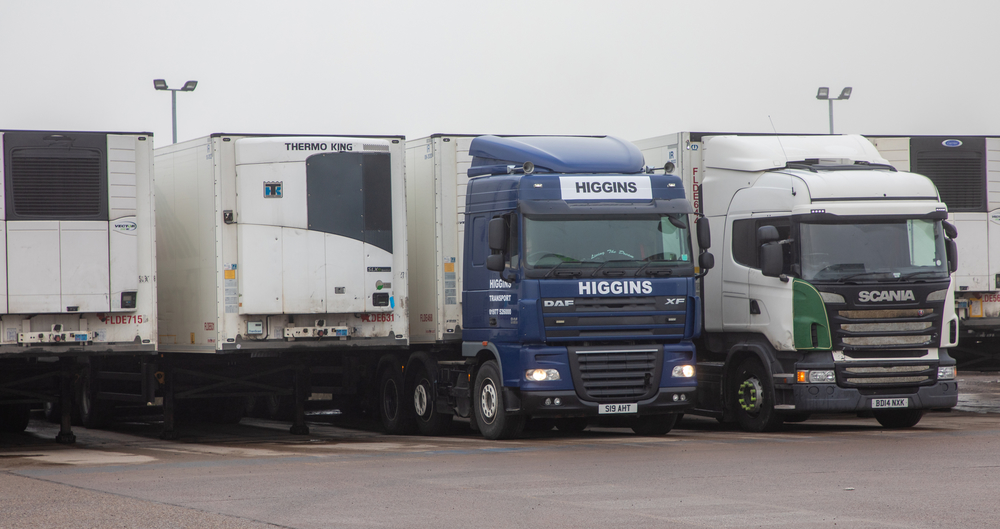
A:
594	288
870	296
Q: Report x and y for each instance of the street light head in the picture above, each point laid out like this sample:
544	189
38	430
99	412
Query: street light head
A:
189	86
845	93
823	93
160	84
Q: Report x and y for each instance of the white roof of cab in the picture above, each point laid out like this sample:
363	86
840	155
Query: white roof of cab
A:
760	153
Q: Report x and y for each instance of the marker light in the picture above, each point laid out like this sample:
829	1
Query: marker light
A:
541	375
686	371
946	372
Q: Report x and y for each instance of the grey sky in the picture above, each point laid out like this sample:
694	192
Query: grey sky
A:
631	68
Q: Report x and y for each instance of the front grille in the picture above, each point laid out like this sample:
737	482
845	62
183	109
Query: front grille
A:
596	318
872	329
610	375
886	375
57	187
610	304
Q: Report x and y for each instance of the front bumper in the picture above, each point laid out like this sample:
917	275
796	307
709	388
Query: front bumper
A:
832	398
533	403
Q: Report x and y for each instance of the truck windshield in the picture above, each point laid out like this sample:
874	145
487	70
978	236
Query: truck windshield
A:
559	247
893	251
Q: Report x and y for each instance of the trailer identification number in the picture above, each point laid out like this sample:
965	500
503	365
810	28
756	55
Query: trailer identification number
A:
890	403
377	318
608	409
127	319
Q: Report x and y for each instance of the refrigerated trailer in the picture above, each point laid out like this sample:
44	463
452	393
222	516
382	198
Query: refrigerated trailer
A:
966	170
77	270
282	268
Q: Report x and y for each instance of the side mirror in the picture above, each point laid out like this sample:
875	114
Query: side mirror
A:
497	235
496	262
766	234
704	233
771	258
706	261
951	249
950	230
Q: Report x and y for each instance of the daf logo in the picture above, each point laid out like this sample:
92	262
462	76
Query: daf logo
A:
558	303
871	296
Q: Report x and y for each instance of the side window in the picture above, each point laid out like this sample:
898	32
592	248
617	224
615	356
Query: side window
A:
746	247
480	248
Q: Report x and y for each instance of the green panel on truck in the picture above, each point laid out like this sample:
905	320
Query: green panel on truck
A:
811	326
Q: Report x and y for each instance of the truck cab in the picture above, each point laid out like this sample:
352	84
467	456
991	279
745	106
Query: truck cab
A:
579	295
835	288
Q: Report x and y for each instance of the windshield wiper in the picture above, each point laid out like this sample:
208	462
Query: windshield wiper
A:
859	274
569	273
915	274
619	272
666	272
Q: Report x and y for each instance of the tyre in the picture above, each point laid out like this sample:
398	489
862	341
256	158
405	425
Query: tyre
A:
572	424
655	424
93	412
899	418
394	410
494	422
796	417
753	398
429	420
14	418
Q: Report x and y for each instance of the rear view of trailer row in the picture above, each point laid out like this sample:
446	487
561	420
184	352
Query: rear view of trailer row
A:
498	280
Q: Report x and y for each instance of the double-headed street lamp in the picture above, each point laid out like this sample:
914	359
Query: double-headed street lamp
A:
824	93
189	86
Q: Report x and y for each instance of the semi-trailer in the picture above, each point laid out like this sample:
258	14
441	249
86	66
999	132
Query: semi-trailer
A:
77	273
966	171
834	290
550	278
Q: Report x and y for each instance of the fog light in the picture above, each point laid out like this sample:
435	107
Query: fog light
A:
548	402
676	397
557	402
541	375
946	372
822	377
683	371
684	397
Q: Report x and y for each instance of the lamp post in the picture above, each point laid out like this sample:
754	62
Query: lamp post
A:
189	86
824	93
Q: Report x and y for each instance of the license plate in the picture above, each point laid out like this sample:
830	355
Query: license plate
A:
890	403
605	409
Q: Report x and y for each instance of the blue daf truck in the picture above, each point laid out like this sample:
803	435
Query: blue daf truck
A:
563	290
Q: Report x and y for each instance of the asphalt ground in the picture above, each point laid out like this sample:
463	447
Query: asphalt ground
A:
832	471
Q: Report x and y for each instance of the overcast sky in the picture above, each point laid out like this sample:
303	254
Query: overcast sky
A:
630	68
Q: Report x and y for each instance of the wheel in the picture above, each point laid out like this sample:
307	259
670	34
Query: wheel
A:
753	396
899	418
572	424
655	424
429	420
493	420
53	412
397	418
14	418
93	413
801	416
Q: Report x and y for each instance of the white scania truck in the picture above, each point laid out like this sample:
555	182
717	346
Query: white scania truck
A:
77	270
833	288
966	171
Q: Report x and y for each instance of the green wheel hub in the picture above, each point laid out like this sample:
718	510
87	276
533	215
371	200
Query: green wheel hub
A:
749	395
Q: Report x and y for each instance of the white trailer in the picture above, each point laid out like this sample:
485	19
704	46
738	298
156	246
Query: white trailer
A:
277	255
966	170
77	267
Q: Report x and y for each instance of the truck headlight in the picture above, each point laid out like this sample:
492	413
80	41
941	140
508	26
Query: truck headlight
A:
817	376
682	372
946	372
541	375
